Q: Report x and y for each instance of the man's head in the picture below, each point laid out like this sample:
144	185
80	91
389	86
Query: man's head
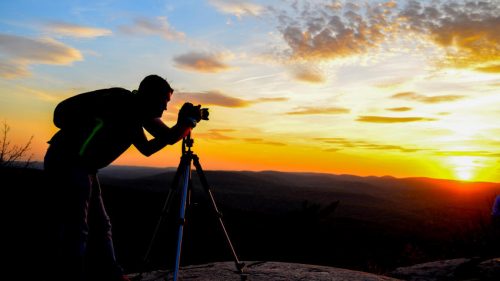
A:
154	93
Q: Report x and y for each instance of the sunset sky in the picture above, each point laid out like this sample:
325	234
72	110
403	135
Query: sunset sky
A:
400	88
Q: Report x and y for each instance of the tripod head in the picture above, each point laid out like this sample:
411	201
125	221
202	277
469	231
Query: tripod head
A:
187	142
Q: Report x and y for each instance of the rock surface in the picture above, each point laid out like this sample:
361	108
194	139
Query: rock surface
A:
268	271
470	269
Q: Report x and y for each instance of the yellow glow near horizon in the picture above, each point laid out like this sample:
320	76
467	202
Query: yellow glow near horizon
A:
465	167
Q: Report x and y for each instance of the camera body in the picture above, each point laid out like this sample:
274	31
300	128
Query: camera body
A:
203	112
198	113
193	114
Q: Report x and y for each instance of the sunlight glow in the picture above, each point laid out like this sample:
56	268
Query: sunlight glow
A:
465	167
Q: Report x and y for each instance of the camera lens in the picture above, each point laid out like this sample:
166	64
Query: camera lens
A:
204	113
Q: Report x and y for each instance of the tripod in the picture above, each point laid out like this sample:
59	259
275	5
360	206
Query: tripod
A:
182	180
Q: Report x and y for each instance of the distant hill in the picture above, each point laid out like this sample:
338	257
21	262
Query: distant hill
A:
131	172
417	218
384	200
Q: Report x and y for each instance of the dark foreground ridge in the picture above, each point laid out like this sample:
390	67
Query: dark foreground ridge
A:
268	271
362	224
470	269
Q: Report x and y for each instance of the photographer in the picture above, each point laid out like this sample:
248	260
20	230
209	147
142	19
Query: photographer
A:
96	128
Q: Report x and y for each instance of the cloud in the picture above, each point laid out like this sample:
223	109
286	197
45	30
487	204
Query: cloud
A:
384	119
216	134
261	141
221	134
399	109
308	75
340	143
489	69
237	8
217	98
214	98
73	30
426	99
50	96
19	52
326	31
467	31
201	62
278	99
255	78
319	110
477	153
390	4
393	83
11	69
158	26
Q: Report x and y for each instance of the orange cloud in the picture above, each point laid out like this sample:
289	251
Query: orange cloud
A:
216	98
261	141
326	31
278	99
201	62
213	98
308	75
159	26
390	4
426	99
340	143
319	110
216	134
20	52
489	69
467	31
73	30
468	153
399	109
11	69
384	119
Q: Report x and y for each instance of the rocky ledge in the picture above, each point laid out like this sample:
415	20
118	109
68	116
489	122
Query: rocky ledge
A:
470	269
260	271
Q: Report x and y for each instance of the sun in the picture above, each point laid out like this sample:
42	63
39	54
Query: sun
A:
465	167
464	173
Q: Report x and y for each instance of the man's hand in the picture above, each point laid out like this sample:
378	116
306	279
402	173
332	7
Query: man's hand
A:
197	112
188	114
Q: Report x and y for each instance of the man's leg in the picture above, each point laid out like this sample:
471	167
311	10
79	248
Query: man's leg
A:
72	206
101	249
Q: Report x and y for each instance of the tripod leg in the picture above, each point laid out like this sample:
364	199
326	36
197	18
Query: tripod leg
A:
164	212
239	265
182	213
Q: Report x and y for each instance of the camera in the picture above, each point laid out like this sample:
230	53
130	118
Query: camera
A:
203	112
198	113
193	114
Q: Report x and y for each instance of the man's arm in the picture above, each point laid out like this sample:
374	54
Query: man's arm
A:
163	135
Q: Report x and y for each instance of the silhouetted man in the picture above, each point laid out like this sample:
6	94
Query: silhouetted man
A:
95	129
